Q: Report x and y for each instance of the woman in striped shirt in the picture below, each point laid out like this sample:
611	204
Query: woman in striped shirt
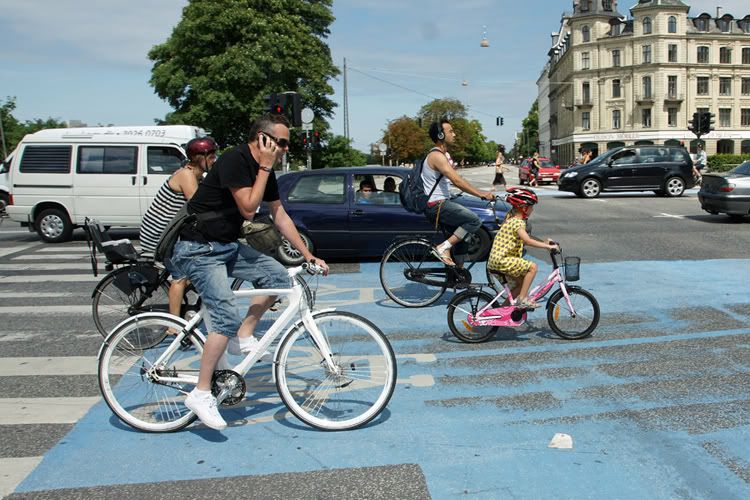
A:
172	195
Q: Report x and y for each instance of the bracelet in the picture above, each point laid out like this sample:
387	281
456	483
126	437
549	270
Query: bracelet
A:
266	169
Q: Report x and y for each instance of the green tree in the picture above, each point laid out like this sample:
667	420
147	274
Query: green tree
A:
447	108
406	141
225	55
338	152
527	142
14	130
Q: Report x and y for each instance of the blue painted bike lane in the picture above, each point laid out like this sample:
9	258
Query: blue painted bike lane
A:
478	419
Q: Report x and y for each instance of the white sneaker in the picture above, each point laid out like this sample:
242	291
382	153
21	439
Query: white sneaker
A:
204	405
243	346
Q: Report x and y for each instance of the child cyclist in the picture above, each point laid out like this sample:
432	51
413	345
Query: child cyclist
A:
507	249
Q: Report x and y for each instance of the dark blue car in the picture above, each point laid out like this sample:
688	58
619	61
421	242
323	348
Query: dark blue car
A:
356	212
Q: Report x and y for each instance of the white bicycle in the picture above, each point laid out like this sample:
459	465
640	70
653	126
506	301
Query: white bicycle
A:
333	370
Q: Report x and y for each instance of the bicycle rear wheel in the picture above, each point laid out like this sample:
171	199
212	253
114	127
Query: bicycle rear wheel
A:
128	375
411	275
359	389
460	307
126	292
568	325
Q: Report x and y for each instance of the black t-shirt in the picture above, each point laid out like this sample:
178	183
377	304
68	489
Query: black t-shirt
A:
234	169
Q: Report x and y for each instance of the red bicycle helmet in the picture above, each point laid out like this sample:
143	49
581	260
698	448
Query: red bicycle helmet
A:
200	146
520	197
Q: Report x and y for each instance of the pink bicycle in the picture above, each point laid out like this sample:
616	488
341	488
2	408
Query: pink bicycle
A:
572	312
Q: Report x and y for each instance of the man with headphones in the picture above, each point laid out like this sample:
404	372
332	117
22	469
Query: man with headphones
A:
436	173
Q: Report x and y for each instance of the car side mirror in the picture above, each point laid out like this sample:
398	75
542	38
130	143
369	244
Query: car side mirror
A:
610	161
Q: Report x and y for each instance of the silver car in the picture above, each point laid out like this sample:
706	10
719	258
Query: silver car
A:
727	192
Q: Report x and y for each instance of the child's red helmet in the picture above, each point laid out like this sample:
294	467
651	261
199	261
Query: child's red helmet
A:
520	197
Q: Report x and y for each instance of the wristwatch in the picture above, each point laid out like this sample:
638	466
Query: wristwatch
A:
266	169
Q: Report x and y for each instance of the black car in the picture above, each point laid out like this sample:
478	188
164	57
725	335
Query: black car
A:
335	217
666	170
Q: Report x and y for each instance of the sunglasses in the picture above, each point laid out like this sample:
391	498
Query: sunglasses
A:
282	143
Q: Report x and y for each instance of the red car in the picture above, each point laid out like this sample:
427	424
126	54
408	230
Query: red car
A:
549	172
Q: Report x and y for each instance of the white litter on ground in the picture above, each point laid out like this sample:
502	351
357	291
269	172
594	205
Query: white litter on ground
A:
562	441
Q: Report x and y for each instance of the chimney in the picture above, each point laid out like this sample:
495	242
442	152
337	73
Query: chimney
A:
719	12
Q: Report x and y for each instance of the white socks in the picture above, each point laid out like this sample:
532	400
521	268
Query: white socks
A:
444	246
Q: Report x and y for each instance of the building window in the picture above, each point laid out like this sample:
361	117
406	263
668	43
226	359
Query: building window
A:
616	57
615	29
745	24
725	85
724	24
646	118
701	23
672	86
586	92
672	117
702	85
646	54
586	33
745	55
647	87
646	25
585	60
725	55
725	117
585	5
672	52
672	24
607	5
703	54
616	119
616	88
746	86
586	120
745	117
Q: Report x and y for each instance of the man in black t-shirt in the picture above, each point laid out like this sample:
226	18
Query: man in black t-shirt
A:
209	252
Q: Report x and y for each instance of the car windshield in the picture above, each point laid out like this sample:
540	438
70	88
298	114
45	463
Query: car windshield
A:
604	156
548	164
742	169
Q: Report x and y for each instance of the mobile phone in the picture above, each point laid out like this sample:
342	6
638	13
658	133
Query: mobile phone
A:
264	139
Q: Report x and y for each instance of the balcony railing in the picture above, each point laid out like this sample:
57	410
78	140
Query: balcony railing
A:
674	97
644	98
584	102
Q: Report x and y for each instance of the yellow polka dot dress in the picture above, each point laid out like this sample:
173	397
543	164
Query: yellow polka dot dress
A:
505	256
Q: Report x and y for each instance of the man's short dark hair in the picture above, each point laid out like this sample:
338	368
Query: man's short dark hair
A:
436	128
266	123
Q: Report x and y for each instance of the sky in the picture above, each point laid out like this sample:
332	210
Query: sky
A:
87	59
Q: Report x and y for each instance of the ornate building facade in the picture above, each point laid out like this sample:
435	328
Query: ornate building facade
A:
614	81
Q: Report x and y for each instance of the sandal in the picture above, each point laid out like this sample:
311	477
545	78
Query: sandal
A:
445	258
528	304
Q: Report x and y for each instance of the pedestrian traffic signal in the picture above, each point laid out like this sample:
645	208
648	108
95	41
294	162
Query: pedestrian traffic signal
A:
707	122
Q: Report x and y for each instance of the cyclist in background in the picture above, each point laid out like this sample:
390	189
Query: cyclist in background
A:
440	209
172	195
507	249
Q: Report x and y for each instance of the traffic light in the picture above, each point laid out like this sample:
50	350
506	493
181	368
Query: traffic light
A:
707	122
695	124
315	142
306	140
502	121
499	121
286	103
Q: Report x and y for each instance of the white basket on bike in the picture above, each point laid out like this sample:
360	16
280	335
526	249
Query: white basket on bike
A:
572	268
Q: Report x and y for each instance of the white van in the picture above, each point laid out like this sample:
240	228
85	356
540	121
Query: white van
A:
4	185
58	177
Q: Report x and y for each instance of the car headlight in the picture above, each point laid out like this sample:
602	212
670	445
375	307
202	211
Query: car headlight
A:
570	175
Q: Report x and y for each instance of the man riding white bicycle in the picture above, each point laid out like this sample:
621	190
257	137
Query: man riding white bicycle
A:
440	209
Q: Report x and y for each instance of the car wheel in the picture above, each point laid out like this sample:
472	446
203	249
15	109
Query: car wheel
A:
53	226
4	200
290	256
674	186
479	245
590	188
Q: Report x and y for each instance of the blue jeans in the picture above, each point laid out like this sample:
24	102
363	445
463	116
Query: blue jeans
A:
209	265
456	219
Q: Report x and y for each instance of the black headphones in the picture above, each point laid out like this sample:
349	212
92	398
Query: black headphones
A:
436	132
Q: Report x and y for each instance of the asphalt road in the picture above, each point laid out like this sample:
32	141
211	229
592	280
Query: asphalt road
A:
656	402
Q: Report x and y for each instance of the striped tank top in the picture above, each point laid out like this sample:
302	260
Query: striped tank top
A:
166	204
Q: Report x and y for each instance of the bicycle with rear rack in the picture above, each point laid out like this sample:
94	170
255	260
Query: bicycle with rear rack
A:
136	283
412	275
475	315
333	370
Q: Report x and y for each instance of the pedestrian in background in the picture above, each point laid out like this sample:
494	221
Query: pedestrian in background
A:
586	156
499	179
534	165
699	164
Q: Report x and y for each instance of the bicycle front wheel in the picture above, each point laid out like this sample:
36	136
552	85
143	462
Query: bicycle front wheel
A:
349	396
411	275
578	322
126	292
135	388
463	305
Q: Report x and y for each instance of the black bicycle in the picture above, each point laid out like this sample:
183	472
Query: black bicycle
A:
141	284
412	275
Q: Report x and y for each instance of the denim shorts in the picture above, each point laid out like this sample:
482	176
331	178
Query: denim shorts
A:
174	271
209	266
